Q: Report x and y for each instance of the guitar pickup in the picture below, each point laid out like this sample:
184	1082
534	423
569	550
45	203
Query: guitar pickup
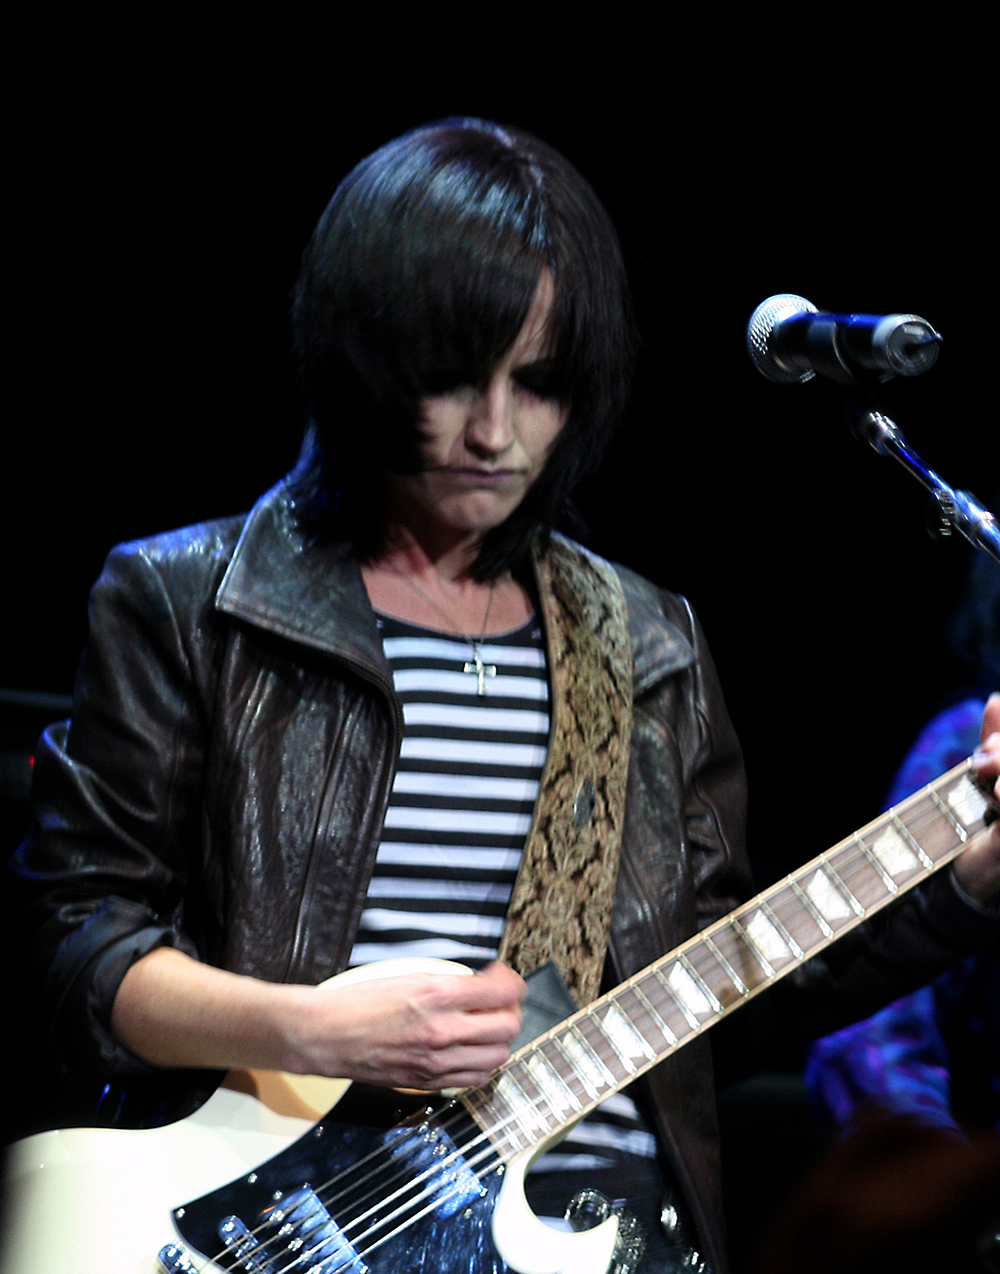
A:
308	1233
438	1165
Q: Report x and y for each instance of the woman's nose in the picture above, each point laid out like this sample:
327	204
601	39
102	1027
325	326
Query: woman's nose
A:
490	427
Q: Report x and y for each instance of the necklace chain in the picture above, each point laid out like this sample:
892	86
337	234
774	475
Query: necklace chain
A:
452	625
475	666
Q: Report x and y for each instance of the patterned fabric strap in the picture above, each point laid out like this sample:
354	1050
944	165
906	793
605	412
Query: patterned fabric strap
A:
561	905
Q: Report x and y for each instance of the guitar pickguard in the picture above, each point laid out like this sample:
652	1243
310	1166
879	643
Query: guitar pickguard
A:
349	1198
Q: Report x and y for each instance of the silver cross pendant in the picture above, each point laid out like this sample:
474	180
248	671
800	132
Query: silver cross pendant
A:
479	669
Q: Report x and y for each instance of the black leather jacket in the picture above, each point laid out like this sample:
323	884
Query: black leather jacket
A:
221	788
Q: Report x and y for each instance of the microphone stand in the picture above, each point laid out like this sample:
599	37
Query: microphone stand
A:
959	510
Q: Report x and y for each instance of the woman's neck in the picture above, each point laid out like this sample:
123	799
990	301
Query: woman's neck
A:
432	585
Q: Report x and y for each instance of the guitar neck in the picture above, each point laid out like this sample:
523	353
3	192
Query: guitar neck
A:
552	1082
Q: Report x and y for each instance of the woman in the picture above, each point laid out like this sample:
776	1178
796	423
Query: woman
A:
247	764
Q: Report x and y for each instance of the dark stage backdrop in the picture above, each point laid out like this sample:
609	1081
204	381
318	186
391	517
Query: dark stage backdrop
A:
161	229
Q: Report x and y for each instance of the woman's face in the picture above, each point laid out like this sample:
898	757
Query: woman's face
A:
485	446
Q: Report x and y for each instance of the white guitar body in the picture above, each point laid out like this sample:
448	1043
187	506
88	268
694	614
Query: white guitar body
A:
99	1201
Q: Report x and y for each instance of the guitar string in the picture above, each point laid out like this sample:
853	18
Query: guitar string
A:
846	857
398	1170
843	860
432	1189
460	1154
405	1212
381	1152
459	1112
436	1200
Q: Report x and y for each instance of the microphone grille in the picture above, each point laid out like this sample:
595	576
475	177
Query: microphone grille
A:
763	321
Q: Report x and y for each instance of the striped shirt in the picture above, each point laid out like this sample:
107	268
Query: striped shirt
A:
463	795
458	816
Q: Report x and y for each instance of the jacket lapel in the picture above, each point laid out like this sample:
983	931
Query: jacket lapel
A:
308	593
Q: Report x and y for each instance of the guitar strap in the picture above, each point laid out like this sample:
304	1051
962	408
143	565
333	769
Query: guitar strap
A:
560	909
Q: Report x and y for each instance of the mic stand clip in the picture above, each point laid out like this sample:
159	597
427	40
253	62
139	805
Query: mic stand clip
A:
958	510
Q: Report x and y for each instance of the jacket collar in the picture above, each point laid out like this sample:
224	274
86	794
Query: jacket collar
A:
280	581
309	593
659	648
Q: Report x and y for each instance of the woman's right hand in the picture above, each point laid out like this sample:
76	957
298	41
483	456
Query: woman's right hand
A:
421	1030
424	1030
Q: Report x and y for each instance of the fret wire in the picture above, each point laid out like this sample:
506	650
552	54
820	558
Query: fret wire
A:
936	833
553	1070
866	881
813	910
507	1130
960	831
671	1005
719	986
661	1025
502	1125
576	1031
788	912
631	1016
678	1002
584	1079
852	902
911	840
585	1083
790	941
738	952
887	880
596	1024
755	951
701	983
731	973
527	1076
539	1116
558	1096
568	1075
627	1062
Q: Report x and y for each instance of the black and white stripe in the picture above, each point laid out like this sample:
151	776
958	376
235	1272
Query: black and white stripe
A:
462	798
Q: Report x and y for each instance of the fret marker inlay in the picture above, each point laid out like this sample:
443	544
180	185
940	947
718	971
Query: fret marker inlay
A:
690	996
624	1036
766	938
893	853
524	1111
583	1062
967	801
557	1094
826	897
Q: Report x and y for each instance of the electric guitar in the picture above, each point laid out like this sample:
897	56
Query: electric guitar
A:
281	1173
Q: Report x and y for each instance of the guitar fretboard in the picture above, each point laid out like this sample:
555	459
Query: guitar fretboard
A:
554	1081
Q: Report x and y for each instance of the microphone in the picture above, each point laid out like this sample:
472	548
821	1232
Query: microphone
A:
789	340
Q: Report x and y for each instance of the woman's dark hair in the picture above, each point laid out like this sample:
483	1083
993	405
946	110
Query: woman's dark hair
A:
417	280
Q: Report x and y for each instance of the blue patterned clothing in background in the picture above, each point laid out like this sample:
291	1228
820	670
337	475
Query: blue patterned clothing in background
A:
935	1054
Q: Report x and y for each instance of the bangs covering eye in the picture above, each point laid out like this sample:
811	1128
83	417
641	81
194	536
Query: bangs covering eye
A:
418	279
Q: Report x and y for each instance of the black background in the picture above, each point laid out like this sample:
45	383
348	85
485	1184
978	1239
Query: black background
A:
166	177
172	177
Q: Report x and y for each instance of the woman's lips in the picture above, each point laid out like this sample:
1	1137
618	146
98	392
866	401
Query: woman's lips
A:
484	477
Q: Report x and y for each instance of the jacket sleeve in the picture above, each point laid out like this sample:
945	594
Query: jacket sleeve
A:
117	790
